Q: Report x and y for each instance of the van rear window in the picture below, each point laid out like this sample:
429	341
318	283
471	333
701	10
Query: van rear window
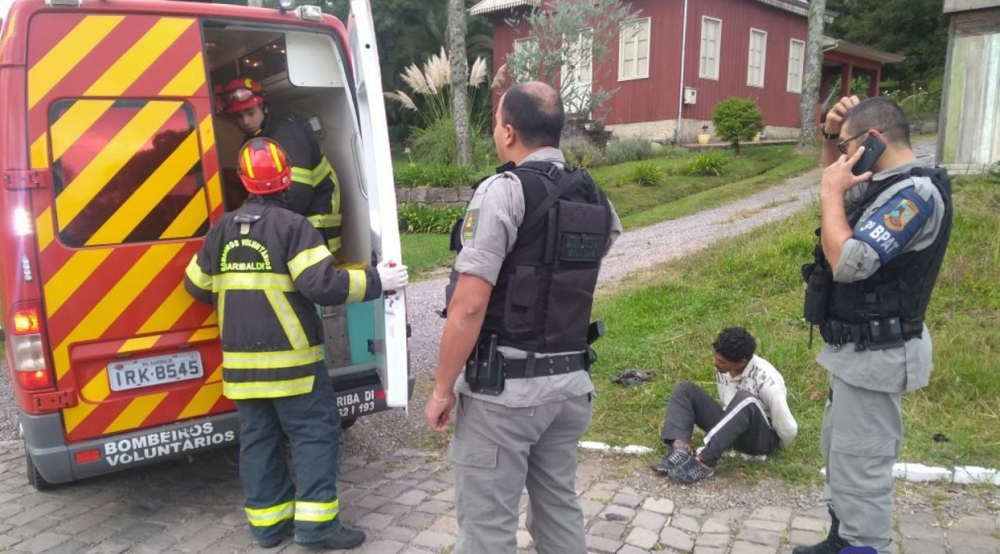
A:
126	171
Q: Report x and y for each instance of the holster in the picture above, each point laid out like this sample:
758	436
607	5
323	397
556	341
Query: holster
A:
484	370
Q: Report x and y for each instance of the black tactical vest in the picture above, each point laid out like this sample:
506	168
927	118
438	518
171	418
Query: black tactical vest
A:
545	291
899	289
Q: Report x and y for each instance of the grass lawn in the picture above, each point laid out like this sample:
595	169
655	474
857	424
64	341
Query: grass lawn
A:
632	200
755	169
668	321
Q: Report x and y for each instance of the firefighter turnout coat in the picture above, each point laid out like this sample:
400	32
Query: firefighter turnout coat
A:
315	191
264	267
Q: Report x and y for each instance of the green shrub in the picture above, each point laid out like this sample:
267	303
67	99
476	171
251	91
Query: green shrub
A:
628	150
445	176
706	164
580	152
416	218
737	119
645	173
436	144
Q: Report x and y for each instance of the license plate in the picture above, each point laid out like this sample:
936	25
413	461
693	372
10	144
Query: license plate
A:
358	402
148	372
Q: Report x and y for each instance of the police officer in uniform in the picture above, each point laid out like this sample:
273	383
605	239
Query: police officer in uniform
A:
264	267
517	323
868	291
315	191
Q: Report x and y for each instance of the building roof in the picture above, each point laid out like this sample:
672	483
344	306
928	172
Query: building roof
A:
951	6
483	7
861	51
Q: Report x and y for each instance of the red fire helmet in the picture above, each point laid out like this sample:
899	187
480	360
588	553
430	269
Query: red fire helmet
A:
264	167
241	94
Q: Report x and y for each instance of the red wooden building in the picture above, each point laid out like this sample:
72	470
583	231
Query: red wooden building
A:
684	56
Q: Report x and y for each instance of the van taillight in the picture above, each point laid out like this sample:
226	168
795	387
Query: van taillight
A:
26	348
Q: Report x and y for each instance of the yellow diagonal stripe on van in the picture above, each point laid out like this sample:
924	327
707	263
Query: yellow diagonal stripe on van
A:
189	220
137	59
43	226
40	153
150	193
169	311
115	154
207	134
188	80
113	304
215	193
92	394
141	343
135	413
206	397
67	53
74	122
70	276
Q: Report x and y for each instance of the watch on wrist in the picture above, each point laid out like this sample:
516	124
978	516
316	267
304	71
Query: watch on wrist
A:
829	136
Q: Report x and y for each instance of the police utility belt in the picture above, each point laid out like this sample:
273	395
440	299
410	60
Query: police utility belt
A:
874	334
487	369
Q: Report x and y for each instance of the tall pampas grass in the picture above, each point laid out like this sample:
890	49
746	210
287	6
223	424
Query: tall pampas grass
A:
431	87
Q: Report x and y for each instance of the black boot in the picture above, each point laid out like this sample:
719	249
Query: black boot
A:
831	545
345	539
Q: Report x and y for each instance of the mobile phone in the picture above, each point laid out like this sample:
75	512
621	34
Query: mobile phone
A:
873	149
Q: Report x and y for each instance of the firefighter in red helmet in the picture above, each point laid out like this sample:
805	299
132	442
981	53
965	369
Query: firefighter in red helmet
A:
264	267
315	191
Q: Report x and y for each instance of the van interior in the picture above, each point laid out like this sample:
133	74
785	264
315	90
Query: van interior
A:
304	75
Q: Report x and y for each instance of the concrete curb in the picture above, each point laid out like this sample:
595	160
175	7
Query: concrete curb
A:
914	473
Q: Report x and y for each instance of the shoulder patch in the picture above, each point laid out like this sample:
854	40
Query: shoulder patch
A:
894	224
901	215
471	222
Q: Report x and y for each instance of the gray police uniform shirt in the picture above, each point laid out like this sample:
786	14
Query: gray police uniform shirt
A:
500	205
896	369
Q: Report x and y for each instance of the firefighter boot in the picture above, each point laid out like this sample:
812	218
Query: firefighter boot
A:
831	545
345	539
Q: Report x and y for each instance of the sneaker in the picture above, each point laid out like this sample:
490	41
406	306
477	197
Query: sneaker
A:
691	471
345	539
674	459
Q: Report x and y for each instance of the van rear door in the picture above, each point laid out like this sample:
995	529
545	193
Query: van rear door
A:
376	160
119	114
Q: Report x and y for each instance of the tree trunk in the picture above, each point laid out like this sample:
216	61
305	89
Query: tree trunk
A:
812	74
459	78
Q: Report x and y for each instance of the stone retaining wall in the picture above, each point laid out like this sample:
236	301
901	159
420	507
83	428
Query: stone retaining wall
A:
435	197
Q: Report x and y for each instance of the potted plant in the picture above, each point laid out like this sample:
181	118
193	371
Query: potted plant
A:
704	137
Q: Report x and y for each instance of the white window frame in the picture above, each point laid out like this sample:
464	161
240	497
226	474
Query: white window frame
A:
584	78
790	86
704	57
527	42
763	60
630	44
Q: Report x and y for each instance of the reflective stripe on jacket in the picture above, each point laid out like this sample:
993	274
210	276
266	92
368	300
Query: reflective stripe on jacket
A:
265	268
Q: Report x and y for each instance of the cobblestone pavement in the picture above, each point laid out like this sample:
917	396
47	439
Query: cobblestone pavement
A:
406	506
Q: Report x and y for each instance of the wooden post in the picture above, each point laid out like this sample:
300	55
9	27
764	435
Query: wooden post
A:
846	74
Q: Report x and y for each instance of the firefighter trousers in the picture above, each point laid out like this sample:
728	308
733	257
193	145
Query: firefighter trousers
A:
274	506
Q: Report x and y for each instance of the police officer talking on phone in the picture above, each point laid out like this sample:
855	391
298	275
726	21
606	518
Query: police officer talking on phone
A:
517	331
868	291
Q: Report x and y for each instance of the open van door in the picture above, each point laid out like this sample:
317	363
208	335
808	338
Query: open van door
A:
376	161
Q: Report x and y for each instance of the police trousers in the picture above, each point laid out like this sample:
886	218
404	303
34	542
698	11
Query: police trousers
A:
498	452
862	434
311	422
742	425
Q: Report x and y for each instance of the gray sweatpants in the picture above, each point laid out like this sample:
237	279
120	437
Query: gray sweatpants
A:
498	451
862	433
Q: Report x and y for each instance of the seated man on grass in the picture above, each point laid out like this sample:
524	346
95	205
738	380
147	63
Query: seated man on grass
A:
753	417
